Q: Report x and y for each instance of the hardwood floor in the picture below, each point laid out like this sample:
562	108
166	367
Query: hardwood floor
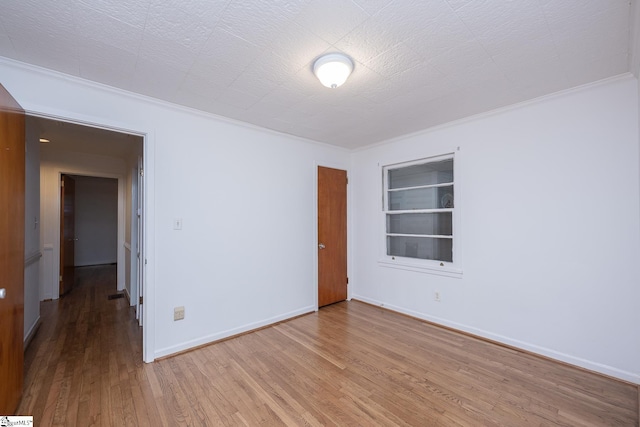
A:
348	364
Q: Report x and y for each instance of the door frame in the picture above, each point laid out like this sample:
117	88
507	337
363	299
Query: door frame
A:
121	222
148	215
134	297
138	221
341	166
62	231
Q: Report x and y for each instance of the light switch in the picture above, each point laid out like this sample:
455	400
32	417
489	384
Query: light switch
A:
177	224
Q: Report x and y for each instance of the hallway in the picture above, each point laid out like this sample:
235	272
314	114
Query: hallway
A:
80	365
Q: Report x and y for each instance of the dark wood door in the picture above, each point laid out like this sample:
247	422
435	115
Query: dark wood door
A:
67	233
332	235
12	192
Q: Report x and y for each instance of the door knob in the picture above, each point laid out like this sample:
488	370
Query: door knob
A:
321	246
3	293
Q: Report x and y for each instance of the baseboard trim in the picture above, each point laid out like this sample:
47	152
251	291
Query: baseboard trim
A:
191	345
127	296
523	347
32	332
98	264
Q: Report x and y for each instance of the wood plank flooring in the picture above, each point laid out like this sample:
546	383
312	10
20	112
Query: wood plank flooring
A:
348	364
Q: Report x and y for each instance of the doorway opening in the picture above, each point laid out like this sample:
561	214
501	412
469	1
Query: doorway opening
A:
106	166
88	227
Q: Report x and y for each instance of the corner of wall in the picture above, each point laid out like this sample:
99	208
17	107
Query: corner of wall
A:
634	38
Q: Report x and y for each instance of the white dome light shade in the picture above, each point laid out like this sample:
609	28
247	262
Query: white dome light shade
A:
333	69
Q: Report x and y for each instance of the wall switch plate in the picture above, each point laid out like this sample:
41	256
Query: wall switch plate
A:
177	224
178	313
436	296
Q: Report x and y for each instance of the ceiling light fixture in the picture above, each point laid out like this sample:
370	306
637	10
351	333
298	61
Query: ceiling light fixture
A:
333	69
44	140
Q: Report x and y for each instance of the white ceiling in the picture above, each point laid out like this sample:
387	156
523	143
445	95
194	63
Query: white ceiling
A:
418	63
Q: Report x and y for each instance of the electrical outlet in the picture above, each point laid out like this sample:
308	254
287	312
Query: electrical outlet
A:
436	296
178	313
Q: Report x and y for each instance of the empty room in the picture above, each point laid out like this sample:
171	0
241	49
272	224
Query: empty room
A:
321	212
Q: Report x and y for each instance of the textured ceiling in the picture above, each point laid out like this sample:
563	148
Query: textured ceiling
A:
418	63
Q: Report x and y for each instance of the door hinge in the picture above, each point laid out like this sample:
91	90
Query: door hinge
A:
62	184
61	278
347	280
347	180
140	300
141	172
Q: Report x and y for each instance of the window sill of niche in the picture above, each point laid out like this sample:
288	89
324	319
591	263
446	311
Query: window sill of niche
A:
427	268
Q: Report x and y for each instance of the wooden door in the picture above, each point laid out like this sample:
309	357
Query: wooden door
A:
332	235
67	233
12	193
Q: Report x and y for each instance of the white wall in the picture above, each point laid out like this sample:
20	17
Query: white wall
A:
32	252
53	163
96	220
634	48
247	251
634	38
549	197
